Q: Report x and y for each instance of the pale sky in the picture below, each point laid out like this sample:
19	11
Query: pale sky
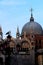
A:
14	13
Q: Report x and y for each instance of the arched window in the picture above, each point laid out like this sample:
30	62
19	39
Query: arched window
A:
25	46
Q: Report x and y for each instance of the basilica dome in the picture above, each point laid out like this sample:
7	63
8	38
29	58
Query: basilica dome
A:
32	27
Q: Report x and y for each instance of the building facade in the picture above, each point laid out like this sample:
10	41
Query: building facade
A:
27	47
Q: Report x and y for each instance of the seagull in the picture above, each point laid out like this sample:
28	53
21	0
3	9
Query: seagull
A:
8	33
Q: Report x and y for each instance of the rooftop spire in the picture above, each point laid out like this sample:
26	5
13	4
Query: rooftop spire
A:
17	33
31	18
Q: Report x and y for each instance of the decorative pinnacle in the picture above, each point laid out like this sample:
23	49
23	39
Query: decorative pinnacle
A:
17	33
17	29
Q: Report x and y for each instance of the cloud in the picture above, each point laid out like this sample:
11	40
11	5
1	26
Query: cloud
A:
12	3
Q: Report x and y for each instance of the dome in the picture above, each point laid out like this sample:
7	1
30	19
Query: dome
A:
32	27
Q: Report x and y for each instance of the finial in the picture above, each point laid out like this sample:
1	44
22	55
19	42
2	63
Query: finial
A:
31	12
31	18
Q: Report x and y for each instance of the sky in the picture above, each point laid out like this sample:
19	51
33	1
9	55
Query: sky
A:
16	13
